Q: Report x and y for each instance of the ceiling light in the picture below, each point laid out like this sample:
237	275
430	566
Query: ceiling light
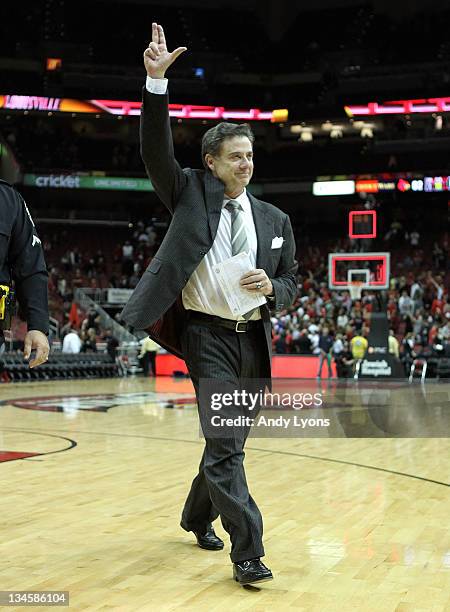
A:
306	136
366	132
327	126
336	132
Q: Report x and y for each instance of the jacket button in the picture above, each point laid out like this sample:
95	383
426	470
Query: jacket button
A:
202	252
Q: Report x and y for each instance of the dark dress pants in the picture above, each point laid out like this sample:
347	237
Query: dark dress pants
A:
148	361
220	487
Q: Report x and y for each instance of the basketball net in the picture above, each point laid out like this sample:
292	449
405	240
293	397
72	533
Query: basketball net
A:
355	290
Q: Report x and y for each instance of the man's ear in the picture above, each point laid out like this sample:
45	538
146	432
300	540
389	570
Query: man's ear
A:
209	161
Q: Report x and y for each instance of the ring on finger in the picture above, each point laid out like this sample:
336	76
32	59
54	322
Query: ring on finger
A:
258	285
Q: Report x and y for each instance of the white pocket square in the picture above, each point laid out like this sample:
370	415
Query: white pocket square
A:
277	242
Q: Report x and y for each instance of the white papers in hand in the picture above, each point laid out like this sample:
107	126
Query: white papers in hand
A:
229	273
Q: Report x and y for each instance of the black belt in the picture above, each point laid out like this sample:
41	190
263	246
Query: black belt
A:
237	326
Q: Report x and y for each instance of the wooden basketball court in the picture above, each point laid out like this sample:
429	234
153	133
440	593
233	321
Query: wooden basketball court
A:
93	483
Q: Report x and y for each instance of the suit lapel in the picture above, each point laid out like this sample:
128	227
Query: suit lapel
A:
214	194
214	190
264	232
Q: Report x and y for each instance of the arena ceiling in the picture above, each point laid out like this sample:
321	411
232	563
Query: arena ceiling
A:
397	8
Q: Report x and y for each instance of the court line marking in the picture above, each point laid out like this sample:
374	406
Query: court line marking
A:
38	432
261	450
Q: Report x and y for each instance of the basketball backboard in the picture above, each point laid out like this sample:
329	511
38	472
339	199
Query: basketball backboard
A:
362	224
372	270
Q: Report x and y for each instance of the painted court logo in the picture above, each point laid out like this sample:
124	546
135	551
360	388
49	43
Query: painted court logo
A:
15	455
100	402
70	405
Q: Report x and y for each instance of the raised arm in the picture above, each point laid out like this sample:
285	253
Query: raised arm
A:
156	138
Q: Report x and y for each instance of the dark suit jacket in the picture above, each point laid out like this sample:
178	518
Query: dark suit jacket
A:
195	199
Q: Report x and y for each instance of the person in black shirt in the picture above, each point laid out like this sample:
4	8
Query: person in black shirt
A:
93	320
89	341
22	261
325	344
111	343
304	343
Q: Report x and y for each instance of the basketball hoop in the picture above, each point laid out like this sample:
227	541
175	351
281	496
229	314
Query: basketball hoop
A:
355	290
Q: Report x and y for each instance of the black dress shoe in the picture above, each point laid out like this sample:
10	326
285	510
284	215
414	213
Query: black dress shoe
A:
249	572
209	540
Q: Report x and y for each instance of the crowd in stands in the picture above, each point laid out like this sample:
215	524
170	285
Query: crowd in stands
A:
82	334
321	322
324	322
74	263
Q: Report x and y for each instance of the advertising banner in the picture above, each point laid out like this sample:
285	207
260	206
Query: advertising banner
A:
118	296
75	181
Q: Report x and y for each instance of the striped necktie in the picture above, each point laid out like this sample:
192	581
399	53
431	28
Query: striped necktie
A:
239	242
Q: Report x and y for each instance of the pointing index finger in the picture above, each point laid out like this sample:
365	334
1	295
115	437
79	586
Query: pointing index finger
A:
155	36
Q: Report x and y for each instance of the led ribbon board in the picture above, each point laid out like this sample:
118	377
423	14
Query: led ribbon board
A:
400	107
121	107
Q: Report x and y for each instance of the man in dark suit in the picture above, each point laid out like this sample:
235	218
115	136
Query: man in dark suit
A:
179	302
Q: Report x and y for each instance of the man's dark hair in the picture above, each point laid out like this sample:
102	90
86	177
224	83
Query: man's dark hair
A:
213	138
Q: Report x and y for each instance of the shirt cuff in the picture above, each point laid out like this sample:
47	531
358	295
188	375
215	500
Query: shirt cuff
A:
156	86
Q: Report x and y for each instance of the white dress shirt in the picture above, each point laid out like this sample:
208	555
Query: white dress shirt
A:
202	291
